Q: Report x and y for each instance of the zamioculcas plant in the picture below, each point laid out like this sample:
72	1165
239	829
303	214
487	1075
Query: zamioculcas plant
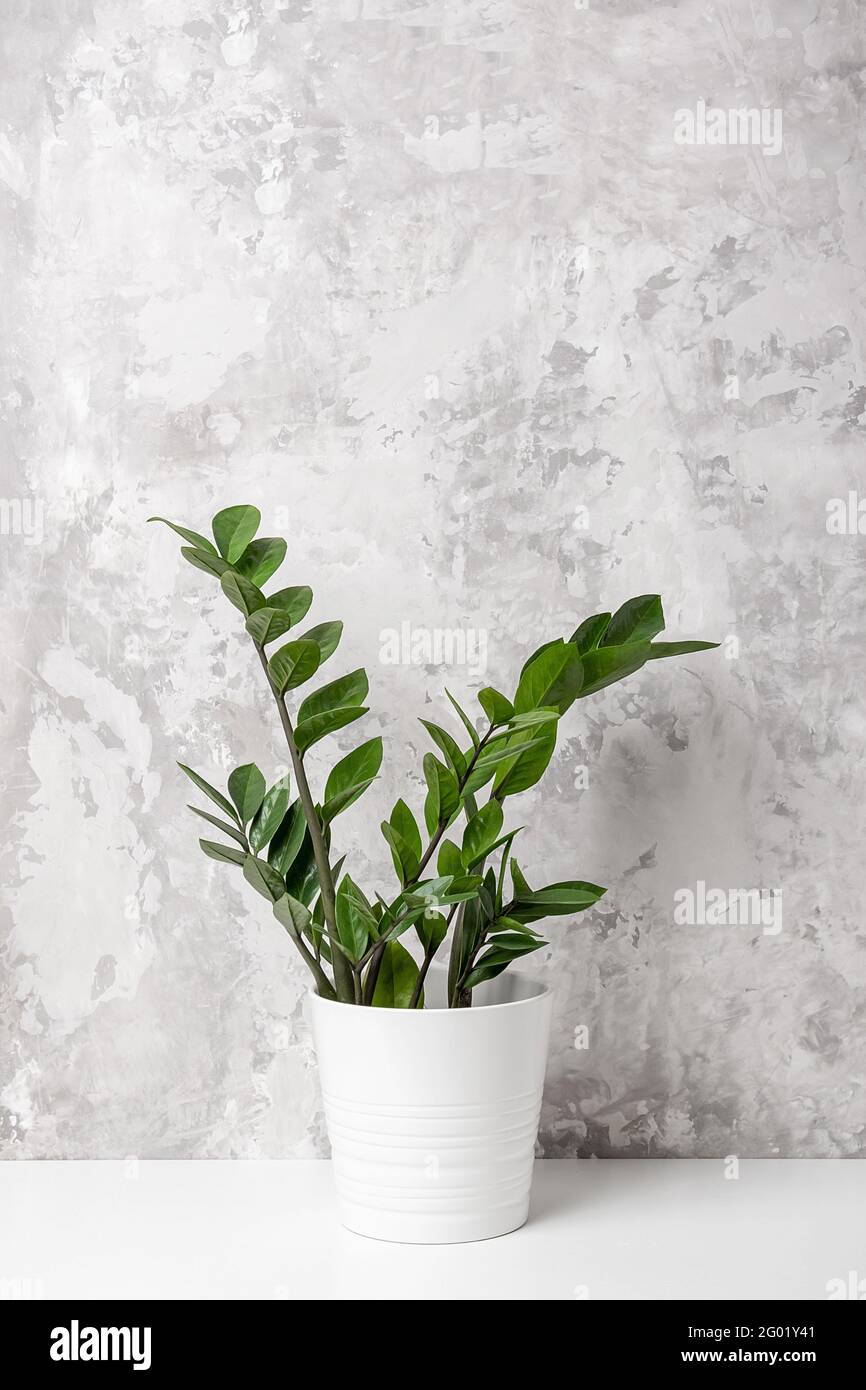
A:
457	878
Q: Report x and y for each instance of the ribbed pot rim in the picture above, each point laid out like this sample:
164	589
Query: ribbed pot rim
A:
540	991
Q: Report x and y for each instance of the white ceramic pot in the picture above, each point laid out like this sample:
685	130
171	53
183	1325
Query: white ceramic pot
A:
433	1113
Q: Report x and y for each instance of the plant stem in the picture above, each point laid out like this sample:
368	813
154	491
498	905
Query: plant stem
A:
343	979
323	985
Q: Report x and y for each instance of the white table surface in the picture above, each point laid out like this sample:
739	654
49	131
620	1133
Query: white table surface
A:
613	1229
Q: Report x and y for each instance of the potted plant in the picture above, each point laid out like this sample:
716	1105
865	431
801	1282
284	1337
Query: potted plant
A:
431	1075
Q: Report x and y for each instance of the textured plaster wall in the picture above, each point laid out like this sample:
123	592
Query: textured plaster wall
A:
438	288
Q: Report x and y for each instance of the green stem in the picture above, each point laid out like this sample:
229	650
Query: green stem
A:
343	980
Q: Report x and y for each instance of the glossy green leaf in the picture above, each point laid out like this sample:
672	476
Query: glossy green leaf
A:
497	708
293	664
239	591
197	541
590	632
405	860
532	756
552	679
225	826
302	880
659	650
326	637
216	797
606	665
203	560
261	559
431	929
233	529
267	624
503	751
465	720
294	602
481	832
311	730
270	815
521	887
351	776
404	822
287	840
345	692
448	746
247	790
292	915
557	900
443	796
222	852
259	874
355	921
449	860
638	620
398	975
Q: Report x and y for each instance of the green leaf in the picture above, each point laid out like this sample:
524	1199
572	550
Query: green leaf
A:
444	890
443	795
216	797
481	832
263	878
590	632
302	880
242	593
286	842
448	746
449	860
223	852
203	560
261	559
521	887
405	824
247	790
552	679
497	708
405	860
292	915
233	530
197	541
267	624
294	602
557	900
496	754
638	620
351	777
355	921
659	650
222	825
346	692
398	975
431	929
532	718
466	721
499	957
606	665
529	764
326	637
270	815
311	730
293	664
